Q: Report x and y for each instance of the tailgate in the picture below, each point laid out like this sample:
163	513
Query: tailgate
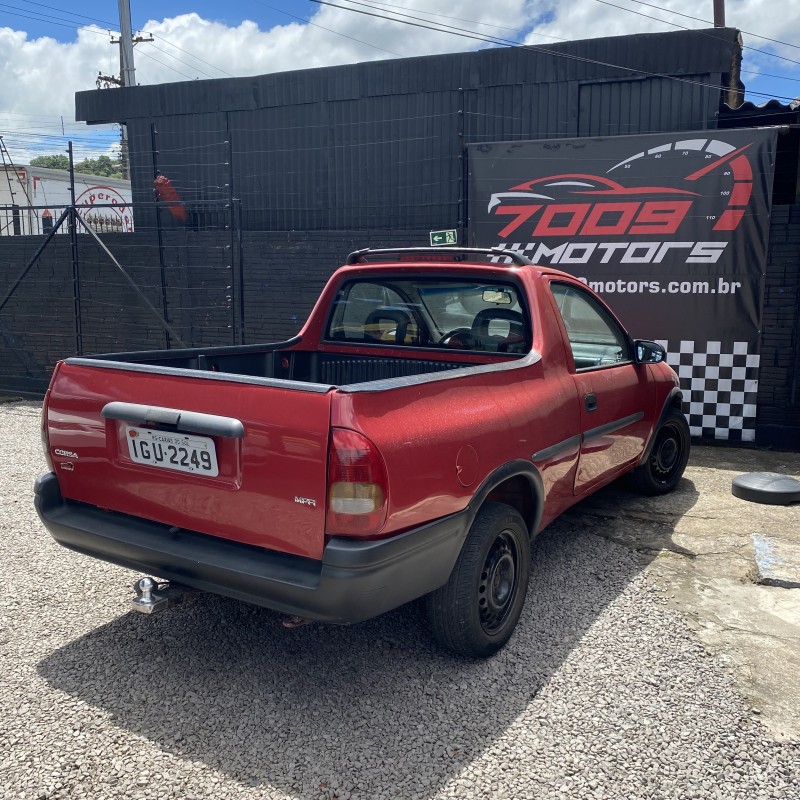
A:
160	451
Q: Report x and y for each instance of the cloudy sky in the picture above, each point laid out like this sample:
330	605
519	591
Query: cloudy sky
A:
50	50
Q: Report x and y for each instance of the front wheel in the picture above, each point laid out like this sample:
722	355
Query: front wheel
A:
668	458
476	611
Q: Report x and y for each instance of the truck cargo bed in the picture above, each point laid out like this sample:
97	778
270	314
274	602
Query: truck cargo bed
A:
278	361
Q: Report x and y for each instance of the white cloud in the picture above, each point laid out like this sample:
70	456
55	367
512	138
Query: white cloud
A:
332	37
39	77
38	81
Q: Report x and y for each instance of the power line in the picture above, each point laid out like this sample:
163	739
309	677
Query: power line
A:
605	2
536	49
179	60
683	27
192	55
38	132
322	27
392	6
708	22
72	14
463	32
115	25
73	26
153	58
440	28
767	75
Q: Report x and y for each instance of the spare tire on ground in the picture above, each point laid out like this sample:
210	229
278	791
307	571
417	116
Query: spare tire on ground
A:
770	488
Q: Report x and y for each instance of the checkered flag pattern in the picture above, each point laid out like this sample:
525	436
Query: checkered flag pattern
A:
720	382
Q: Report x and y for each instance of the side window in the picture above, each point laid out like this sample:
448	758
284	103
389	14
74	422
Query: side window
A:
369	312
594	335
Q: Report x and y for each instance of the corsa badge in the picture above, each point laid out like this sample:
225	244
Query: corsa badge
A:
65	453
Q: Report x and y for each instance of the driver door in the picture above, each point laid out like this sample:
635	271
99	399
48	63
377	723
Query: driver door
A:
615	394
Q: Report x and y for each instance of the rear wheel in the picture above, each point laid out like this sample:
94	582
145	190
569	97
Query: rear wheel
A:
668	458
476	611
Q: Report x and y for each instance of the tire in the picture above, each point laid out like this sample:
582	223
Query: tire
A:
668	458
476	611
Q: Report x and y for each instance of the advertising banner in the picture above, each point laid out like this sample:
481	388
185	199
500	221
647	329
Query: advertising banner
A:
671	230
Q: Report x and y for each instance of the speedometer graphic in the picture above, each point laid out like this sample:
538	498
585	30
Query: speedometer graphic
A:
715	155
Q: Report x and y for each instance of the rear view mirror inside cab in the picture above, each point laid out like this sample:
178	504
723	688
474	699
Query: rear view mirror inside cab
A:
497	296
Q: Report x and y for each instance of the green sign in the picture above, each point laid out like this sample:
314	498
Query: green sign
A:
439	238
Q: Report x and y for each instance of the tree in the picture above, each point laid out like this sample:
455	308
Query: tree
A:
102	165
105	166
51	162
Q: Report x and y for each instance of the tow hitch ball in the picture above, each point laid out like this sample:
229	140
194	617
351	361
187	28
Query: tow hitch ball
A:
154	596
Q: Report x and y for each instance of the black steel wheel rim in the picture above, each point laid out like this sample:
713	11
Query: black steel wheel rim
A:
666	456
499	582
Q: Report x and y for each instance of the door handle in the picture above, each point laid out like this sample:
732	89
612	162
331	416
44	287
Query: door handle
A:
590	402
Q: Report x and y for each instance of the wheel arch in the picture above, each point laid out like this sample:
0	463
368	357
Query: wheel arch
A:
517	484
673	400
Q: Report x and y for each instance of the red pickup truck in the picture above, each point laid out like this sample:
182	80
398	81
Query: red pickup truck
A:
438	409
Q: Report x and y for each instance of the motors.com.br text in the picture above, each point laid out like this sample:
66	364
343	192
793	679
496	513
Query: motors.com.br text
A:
622	286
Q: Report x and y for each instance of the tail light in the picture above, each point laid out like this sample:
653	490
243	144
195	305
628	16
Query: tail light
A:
43	425
46	440
357	485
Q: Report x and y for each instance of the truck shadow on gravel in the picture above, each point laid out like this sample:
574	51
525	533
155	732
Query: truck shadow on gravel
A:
373	710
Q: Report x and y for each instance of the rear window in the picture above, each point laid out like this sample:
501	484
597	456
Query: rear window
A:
431	313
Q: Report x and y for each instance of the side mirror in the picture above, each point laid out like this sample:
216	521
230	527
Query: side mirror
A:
647	352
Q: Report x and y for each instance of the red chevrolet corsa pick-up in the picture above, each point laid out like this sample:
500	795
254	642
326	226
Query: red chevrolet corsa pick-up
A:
437	410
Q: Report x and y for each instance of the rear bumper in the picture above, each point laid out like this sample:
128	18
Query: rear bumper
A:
354	581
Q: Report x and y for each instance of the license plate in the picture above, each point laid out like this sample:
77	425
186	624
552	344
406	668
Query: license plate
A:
178	451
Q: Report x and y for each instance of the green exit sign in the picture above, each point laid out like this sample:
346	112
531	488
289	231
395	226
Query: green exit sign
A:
439	238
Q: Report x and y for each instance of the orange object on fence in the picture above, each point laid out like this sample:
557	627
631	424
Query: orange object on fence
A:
166	192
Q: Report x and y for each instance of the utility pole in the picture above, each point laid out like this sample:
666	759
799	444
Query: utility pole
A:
126	68
719	13
127	72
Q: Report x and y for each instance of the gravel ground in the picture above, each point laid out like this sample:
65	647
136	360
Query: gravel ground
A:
602	693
